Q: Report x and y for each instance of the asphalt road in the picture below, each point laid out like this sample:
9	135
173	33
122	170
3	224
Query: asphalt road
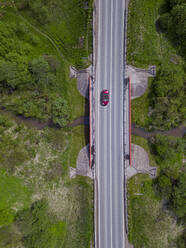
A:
109	164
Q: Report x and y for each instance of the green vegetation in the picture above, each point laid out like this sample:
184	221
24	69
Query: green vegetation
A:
164	105
35	56
144	143
39	205
156	35
168	98
157	207
32	86
35	185
168	152
145	45
12	194
149	226
38	228
173	22
60	113
140	115
68	23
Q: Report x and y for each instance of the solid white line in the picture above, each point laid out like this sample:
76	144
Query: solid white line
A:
104	111
111	51
96	121
116	196
102	114
112	128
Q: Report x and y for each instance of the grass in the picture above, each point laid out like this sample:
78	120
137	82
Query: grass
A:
75	100
144	143
140	114
45	176
151	223
149	226
14	196
69	27
83	189
34	164
77	142
146	46
68	141
43	44
67	87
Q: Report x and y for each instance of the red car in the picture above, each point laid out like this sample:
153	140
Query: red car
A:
104	98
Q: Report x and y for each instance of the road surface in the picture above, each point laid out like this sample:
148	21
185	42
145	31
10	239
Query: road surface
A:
109	120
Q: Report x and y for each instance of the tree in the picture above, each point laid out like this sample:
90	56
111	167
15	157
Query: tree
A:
9	237
13	75
39	68
168	150
171	182
179	24
167	101
165	22
165	186
173	22
179	197
60	112
38	227
175	2
33	224
53	62
40	11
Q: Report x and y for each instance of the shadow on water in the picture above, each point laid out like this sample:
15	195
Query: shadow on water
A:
29	122
84	120
177	132
35	123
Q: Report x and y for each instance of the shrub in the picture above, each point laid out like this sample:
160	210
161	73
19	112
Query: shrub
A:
60	112
39	229
167	97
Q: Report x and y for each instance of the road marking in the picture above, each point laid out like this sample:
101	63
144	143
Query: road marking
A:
110	167
110	118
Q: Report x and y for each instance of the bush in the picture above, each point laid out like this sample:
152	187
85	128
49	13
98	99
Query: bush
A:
164	22
9	237
149	226
39	67
167	150
5	121
179	196
156	207
170	183
60	112
174	23
38	227
167	97
13	153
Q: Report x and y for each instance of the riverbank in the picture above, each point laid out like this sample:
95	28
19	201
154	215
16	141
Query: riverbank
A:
84	120
177	132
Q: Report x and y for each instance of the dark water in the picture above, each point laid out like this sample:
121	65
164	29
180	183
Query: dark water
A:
177	132
84	120
34	123
29	122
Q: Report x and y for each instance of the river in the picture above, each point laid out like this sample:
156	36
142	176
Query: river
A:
84	120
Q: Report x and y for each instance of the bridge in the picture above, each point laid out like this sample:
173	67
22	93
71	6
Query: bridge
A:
110	125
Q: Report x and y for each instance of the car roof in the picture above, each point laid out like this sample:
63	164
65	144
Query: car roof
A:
105	91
